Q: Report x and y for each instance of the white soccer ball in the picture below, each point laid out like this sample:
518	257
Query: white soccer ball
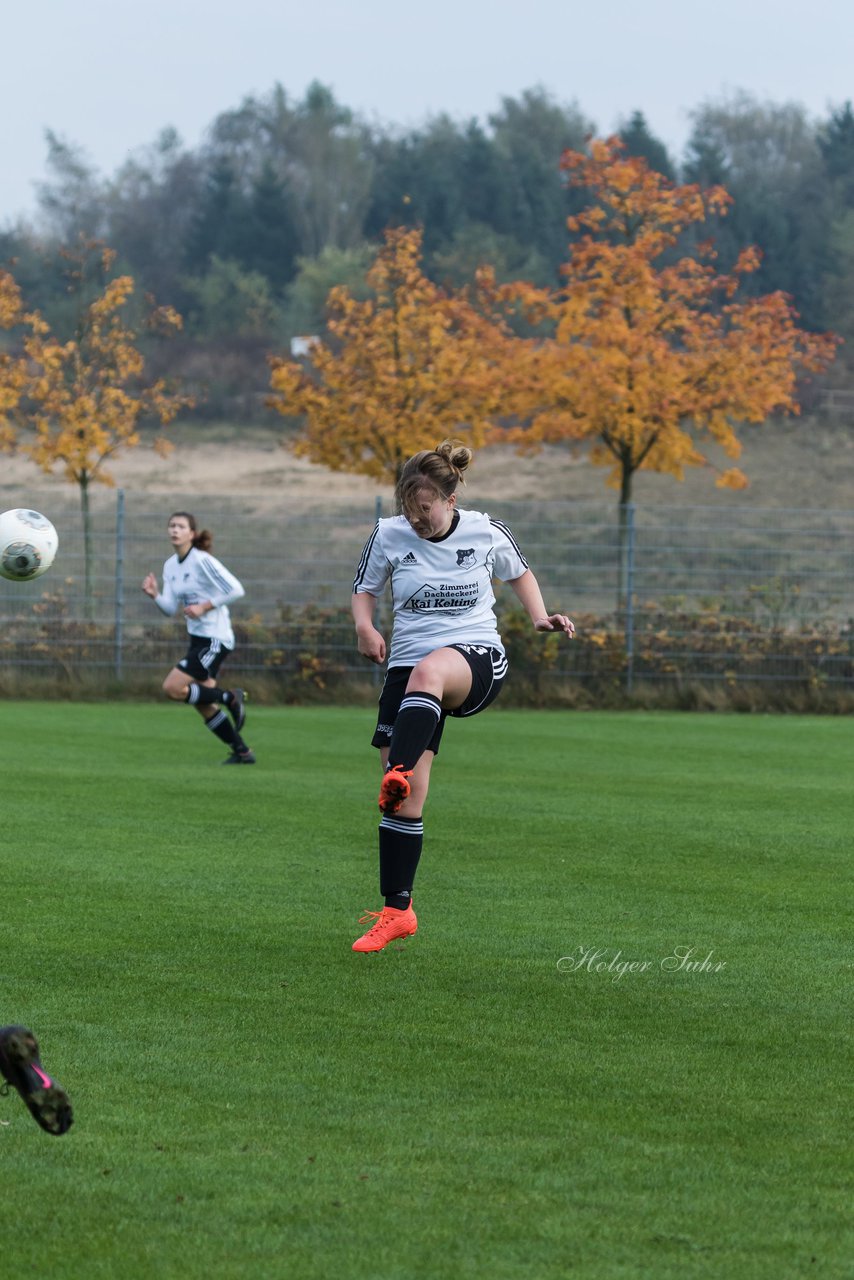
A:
28	544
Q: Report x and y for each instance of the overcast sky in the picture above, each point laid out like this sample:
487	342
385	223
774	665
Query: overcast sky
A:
108	75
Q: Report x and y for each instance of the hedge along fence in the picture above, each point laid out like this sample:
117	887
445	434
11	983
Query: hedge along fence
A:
733	607
704	658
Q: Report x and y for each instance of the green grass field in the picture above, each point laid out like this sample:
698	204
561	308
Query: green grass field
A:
253	1099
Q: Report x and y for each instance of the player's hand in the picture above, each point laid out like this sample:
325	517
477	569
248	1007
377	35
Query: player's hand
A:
149	585
556	622
372	645
197	610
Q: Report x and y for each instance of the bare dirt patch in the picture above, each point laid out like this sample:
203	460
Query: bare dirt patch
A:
801	463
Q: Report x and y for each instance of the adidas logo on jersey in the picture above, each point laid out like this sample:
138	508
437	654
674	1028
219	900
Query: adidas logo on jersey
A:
410	559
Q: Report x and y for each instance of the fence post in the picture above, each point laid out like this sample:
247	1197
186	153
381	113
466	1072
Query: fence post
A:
630	582
119	590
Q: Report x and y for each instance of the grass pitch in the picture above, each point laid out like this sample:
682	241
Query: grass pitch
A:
617	1047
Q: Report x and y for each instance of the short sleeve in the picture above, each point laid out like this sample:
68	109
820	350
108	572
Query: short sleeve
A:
508	561
373	571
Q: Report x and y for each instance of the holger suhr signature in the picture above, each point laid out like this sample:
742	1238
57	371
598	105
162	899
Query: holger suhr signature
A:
603	960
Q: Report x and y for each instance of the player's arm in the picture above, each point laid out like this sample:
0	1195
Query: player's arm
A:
166	600
370	642
530	597
223	587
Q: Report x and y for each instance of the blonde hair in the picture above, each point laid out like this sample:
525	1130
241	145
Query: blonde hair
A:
440	470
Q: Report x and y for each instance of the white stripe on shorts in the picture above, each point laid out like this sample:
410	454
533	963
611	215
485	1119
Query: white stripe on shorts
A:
210	653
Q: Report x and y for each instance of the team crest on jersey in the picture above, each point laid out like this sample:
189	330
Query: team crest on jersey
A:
465	559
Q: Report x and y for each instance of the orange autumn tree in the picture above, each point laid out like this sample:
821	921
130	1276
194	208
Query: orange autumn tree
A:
81	401
651	353
412	364
13	366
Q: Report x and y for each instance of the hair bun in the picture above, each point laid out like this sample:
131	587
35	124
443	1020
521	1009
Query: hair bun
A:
456	454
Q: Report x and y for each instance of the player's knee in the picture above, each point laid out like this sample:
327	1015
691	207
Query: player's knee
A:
175	689
427	676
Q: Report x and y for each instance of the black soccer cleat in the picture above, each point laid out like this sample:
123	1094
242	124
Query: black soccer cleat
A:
237	707
19	1063
240	757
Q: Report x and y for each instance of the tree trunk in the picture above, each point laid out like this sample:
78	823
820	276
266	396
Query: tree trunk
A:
88	587
622	539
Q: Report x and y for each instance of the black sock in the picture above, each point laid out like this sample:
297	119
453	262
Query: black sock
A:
202	695
225	731
416	720
400	850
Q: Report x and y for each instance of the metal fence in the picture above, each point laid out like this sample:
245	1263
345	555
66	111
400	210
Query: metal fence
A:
668	593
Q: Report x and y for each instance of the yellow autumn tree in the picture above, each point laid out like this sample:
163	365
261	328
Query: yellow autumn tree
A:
399	372
650	353
79	402
13	367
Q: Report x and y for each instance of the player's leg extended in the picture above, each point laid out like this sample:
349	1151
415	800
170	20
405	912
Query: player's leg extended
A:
205	696
205	693
440	682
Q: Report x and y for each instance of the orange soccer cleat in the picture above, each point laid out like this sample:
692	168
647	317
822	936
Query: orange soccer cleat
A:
394	788
390	923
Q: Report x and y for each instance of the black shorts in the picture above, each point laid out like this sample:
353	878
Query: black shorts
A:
204	657
488	670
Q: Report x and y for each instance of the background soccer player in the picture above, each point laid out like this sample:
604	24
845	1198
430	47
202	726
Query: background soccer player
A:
446	656
196	581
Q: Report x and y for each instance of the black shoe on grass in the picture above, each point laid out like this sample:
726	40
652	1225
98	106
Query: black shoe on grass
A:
240	757
19	1063
237	707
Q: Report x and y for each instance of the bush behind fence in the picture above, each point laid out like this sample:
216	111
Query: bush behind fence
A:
696	606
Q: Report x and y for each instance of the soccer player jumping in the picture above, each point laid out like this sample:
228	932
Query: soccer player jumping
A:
446	656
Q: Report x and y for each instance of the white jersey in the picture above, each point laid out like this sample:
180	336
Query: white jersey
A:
441	587
198	577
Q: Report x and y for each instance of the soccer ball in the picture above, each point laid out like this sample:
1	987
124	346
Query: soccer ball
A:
28	544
